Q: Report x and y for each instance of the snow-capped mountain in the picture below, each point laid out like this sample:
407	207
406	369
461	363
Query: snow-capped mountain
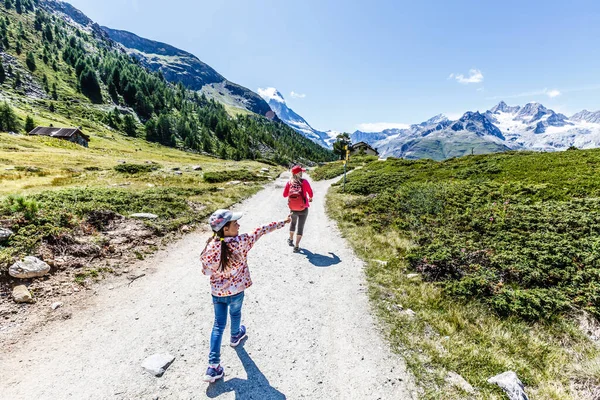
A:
586	116
530	127
299	124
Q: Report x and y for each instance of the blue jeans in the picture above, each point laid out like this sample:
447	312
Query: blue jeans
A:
221	304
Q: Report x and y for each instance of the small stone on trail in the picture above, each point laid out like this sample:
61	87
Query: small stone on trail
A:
456	380
511	384
56	305
29	267
21	294
157	364
144	216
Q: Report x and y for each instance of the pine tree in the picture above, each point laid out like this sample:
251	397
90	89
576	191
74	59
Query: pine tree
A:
30	61
17	82
29	124
19	7
2	73
8	119
18	48
129	126
54	92
48	33
88	82
8	4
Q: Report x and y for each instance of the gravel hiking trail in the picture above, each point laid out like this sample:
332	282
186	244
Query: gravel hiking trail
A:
311	333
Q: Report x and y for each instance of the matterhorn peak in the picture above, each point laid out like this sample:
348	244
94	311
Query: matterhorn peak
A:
271	93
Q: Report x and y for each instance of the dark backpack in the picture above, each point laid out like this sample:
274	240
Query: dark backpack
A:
296	200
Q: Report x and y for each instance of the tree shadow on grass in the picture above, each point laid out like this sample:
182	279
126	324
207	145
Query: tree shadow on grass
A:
319	260
256	387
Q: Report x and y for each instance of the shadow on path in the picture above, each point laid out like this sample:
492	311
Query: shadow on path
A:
256	387
319	260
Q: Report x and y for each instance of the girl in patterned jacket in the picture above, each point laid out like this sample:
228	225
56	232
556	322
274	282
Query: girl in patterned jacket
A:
224	259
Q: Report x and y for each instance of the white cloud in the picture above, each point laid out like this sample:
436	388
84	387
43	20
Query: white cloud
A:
270	93
381	126
295	95
552	93
475	76
481	89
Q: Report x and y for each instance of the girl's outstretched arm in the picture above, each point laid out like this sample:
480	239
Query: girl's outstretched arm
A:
251	238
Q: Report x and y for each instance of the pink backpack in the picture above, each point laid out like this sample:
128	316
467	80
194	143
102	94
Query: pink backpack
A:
296	200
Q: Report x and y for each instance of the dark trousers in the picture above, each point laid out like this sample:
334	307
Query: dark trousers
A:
299	217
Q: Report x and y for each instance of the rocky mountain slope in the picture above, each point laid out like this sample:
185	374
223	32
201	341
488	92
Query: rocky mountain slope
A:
502	128
61	68
180	66
299	124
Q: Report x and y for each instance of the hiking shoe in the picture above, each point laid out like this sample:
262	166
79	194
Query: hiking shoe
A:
291	242
296	249
235	340
212	374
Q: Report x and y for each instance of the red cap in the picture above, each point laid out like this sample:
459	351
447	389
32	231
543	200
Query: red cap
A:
297	169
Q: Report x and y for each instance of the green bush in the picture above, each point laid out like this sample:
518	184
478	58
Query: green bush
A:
335	169
518	231
21	205
232	175
136	168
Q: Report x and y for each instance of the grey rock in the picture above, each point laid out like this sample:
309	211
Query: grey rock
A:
178	172
29	267
5	234
413	276
380	262
21	294
144	216
264	170
56	305
456	380
511	384
409	313
234	182
157	364
197	168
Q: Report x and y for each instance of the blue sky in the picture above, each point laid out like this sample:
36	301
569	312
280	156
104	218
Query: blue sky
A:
354	65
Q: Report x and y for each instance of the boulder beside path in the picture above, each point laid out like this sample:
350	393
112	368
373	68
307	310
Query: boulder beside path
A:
29	267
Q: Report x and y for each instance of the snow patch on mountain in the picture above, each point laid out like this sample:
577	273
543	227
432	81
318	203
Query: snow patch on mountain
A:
295	121
271	94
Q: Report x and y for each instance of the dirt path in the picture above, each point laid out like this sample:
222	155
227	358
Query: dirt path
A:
310	330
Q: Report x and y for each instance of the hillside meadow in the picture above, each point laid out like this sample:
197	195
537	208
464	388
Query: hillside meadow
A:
49	187
498	256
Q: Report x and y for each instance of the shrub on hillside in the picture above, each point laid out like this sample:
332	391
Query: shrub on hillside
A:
334	169
232	175
136	168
